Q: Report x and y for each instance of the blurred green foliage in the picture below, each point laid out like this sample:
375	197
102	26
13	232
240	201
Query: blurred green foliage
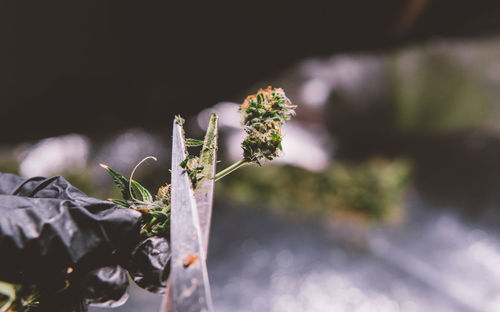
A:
372	190
8	162
444	89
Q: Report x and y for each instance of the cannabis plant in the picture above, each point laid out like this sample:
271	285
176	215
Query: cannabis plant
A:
264	114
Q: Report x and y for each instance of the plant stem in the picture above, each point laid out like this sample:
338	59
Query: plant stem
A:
208	152
231	168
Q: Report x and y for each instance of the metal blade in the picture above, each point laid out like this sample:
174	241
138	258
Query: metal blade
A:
204	192
189	279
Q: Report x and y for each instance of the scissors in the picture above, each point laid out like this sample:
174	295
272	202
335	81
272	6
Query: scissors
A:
188	289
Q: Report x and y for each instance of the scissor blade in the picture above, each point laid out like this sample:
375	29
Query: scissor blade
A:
190	287
204	192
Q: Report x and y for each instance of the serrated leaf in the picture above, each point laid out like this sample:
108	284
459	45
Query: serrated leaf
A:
193	142
146	195
120	181
120	202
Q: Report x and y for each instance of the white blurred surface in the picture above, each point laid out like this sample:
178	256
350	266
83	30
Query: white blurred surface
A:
55	155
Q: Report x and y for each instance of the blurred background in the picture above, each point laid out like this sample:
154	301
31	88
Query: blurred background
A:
386	197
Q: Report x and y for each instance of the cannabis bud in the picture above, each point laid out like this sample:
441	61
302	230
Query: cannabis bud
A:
263	115
155	210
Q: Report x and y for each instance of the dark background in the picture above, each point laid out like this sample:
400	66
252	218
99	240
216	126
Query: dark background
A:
98	66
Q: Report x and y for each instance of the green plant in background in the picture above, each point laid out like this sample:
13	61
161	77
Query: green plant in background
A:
441	92
263	116
371	190
8	161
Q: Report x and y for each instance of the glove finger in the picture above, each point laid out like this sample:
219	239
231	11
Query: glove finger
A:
120	225
102	287
105	287
67	300
45	235
149	264
41	187
9	182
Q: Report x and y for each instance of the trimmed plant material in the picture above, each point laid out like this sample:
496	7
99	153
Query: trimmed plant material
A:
264	114
155	209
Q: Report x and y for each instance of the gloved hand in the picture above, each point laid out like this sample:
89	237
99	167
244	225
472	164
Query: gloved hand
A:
55	237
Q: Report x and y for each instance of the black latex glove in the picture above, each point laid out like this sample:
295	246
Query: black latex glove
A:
47	225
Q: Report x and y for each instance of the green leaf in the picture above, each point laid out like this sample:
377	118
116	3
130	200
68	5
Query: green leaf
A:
146	196
276	137
8	290
120	181
179	120
260	98
184	163
120	202
193	142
